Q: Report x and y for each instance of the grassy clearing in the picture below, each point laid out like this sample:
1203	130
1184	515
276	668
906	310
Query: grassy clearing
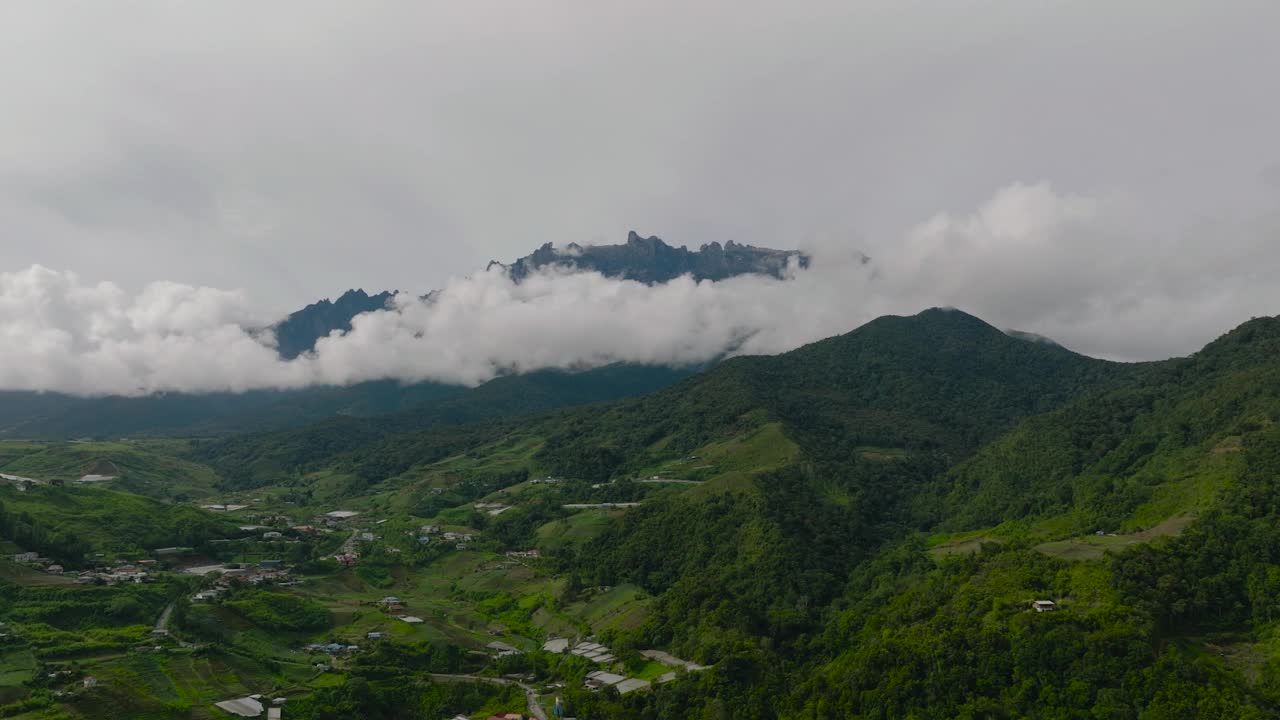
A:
16	667
576	528
1094	547
964	546
23	575
1189	484
620	608
757	450
1256	659
651	671
147	467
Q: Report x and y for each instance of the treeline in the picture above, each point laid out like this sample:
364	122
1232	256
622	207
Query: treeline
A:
25	532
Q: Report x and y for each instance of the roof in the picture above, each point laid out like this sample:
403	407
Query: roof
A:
558	645
244	707
342	514
631	684
410	619
607	678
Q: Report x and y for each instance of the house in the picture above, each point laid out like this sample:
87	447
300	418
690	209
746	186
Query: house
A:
631	685
366	537
332	648
172	550
409	619
90	682
374	635
56	569
341	514
391	600
26	557
270	564
274	713
273	535
600	678
1044	606
502	649
250	706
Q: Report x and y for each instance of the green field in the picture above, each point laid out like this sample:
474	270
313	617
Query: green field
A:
16	666
152	468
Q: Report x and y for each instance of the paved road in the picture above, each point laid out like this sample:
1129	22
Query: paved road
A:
535	707
349	546
162	625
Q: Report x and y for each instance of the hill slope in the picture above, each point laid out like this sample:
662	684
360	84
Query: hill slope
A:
940	381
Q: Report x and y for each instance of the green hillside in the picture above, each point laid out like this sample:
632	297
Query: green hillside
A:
854	529
938	382
147	467
65	523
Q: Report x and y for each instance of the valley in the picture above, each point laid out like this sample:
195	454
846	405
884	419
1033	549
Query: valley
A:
772	533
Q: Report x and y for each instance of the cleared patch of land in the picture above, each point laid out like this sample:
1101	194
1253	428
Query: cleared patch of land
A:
1094	547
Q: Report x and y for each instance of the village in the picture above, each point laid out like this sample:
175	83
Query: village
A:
448	578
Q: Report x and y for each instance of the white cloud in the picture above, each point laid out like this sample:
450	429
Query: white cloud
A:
1078	269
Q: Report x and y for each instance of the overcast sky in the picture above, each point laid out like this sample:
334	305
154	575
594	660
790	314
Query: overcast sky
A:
1105	173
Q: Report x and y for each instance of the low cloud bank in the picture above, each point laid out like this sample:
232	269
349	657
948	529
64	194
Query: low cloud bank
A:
1029	258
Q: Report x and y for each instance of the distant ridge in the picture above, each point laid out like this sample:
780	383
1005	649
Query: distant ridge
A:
650	260
299	332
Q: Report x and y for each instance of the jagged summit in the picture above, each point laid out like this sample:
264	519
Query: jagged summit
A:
644	259
298	333
650	260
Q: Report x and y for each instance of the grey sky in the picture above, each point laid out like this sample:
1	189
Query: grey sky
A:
295	149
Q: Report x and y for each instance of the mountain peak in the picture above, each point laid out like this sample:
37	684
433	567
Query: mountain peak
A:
648	260
651	260
298	333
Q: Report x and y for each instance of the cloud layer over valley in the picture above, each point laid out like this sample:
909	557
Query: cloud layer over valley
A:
1088	271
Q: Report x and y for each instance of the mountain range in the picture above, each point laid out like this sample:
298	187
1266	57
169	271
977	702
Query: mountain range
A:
649	260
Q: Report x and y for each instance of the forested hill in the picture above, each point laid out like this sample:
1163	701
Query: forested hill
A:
52	415
940	381
1103	457
257	458
1146	506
